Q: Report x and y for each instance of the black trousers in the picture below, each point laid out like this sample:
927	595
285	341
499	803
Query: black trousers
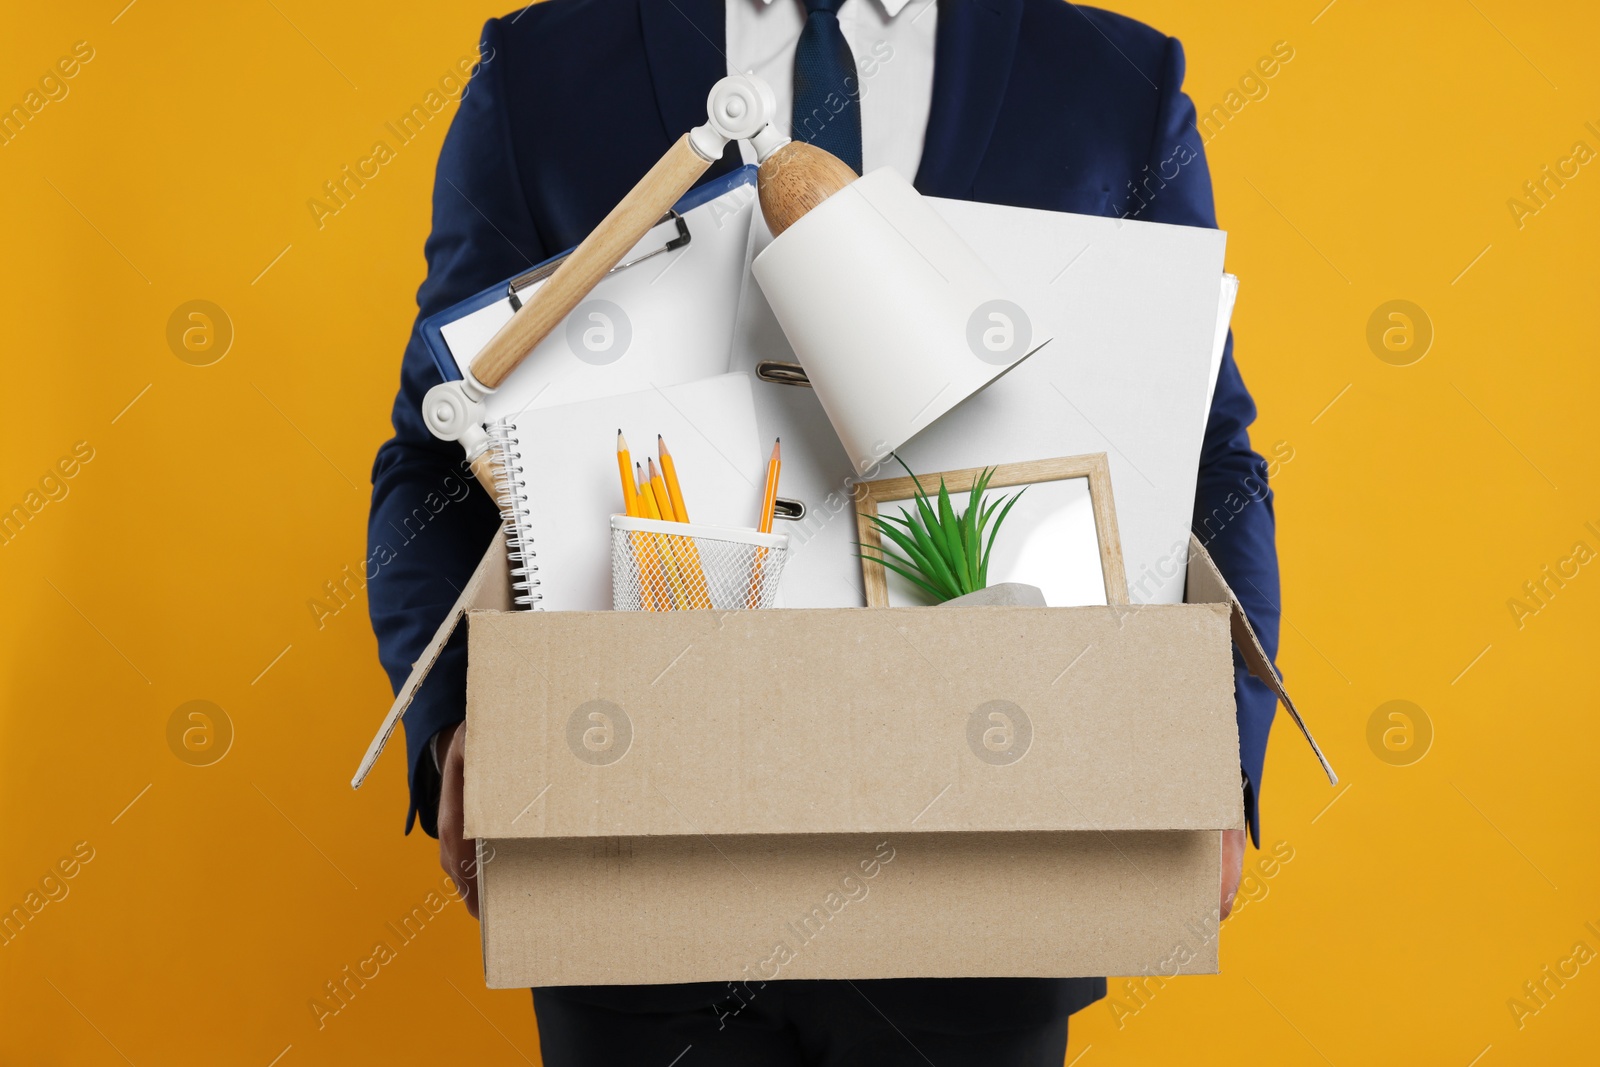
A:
946	1022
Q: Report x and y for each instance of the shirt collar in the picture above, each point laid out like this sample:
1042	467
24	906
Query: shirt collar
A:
891	8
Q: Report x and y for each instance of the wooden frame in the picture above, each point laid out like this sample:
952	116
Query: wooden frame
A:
868	495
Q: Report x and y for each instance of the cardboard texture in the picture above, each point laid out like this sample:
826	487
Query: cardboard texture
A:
848	720
748	909
848	793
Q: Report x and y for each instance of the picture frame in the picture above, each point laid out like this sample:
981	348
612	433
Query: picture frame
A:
1093	468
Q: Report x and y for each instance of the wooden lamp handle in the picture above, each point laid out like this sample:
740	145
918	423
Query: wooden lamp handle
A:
581	271
796	178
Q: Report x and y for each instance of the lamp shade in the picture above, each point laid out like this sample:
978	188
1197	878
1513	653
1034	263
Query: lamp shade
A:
894	318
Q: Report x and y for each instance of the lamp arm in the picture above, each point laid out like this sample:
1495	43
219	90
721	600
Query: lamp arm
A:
602	250
739	106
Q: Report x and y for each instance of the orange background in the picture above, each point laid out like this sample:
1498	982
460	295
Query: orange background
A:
180	562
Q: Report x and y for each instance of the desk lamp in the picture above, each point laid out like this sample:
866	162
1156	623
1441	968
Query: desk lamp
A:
894	319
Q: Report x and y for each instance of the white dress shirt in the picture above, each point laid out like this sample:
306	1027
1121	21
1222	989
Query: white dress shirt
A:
892	41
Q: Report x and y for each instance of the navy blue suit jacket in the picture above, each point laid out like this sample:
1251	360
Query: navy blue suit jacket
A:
1036	103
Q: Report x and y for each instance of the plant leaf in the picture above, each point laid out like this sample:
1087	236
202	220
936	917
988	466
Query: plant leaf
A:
914	556
988	510
939	572
907	575
911	474
922	550
970	530
904	519
950	530
920	496
930	521
995	531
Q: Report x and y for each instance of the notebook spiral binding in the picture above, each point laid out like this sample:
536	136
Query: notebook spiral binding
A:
511	488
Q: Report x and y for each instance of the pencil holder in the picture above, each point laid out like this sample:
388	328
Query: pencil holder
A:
677	566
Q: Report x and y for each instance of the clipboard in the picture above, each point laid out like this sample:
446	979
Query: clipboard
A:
667	311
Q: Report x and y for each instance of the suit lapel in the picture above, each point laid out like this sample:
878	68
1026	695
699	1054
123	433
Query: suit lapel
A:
684	43
973	53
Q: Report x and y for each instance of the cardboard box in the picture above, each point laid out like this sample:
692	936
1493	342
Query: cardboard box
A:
849	793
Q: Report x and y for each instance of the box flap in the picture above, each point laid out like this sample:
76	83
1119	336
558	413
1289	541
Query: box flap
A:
1207	586
850	720
488	588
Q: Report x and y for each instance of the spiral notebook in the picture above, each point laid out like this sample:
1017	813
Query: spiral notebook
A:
559	487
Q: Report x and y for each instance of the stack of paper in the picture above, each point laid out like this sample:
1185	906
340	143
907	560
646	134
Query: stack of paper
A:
1132	310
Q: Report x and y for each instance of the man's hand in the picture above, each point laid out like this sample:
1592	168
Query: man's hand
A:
1232	860
457	855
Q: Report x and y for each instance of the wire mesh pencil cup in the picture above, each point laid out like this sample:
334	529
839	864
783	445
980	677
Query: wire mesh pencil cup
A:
676	566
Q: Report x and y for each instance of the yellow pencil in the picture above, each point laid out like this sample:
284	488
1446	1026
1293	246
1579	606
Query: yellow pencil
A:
769	494
699	596
658	487
650	576
646	498
769	498
669	543
669	474
630	503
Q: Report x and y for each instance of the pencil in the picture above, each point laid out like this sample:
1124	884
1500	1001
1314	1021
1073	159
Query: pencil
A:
670	543
650	571
658	488
669	473
769	498
630	504
647	499
699	596
769	495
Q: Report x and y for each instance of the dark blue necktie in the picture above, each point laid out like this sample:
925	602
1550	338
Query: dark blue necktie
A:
827	90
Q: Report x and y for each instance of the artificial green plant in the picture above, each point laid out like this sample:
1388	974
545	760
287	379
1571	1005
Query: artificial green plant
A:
941	552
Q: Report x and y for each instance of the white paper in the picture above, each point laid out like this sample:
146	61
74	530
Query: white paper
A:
1132	311
1229	295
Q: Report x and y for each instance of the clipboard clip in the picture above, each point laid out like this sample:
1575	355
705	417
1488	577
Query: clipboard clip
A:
780	373
680	239
783	508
